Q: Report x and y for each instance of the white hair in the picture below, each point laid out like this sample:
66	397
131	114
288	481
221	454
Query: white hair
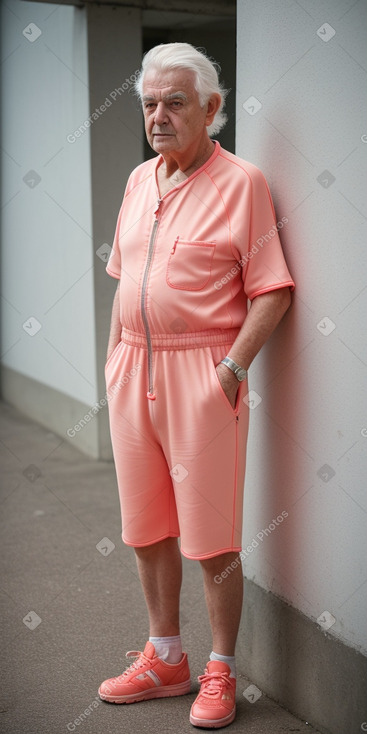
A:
185	56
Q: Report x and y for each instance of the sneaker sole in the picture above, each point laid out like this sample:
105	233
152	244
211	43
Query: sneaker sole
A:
213	723
180	689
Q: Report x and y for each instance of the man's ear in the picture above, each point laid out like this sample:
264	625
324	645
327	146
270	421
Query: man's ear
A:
212	107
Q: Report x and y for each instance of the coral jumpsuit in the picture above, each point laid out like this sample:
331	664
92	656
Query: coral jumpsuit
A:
187	263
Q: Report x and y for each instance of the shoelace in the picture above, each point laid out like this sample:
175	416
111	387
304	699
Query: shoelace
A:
213	682
139	661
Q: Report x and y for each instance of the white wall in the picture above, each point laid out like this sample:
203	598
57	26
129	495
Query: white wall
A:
312	380
47	258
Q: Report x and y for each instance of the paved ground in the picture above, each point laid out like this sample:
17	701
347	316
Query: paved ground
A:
71	611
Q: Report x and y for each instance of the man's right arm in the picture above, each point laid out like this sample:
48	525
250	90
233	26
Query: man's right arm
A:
115	328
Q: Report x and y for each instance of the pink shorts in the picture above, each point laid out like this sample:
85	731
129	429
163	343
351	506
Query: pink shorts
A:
180	458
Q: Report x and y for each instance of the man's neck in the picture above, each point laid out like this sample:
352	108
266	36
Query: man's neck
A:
186	164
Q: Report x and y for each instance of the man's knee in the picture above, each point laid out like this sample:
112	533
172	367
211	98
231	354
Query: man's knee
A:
221	561
224	566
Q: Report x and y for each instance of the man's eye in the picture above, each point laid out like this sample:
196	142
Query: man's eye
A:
149	105
176	103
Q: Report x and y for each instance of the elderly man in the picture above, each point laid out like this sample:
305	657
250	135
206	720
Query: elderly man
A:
196	239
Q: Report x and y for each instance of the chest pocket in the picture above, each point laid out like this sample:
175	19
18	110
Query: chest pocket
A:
189	265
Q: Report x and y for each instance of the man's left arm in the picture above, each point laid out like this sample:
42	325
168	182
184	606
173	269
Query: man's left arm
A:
264	315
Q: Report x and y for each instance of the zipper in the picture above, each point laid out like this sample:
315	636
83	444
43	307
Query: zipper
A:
150	393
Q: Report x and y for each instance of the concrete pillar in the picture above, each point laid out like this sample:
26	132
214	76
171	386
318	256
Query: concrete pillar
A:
114	56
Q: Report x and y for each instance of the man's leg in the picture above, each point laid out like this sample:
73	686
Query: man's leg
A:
215	706
224	600
162	668
160	572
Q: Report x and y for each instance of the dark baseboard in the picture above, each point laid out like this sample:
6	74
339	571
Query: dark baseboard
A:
307	670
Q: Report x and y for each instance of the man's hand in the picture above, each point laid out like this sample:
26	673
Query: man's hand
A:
229	382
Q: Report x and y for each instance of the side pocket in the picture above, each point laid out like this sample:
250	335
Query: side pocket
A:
112	354
241	385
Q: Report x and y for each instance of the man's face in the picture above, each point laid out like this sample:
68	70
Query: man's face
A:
174	120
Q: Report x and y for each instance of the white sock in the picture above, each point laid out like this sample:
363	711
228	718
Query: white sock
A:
168	649
231	661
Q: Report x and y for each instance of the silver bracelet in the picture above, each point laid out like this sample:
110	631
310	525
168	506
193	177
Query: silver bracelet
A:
237	370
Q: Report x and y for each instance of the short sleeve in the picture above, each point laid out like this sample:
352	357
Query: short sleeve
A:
265	268
113	266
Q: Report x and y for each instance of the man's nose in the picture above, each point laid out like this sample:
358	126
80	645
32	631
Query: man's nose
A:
160	115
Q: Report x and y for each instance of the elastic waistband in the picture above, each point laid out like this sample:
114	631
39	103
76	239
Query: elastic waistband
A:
185	340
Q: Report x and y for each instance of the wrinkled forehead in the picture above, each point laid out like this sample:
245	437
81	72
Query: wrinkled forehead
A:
160	84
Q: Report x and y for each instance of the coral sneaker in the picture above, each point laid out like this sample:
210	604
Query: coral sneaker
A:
215	706
147	677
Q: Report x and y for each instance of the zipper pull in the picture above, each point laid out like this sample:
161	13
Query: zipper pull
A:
174	246
156	210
